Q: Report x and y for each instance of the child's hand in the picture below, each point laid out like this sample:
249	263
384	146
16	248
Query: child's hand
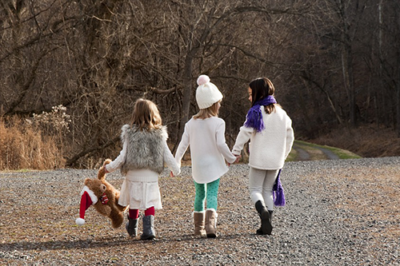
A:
237	158
171	174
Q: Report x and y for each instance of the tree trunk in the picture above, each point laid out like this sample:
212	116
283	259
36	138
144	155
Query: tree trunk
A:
187	92
347	65
398	98
398	72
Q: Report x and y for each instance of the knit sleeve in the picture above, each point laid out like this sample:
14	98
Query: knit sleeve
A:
289	137
221	143
118	162
183	145
170	160
243	137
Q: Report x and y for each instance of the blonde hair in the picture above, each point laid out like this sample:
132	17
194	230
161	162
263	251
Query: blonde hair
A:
207	112
146	115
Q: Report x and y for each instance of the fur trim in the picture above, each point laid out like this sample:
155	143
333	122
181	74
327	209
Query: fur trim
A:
92	196
212	209
197	212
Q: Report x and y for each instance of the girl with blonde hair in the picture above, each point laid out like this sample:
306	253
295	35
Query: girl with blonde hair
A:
141	160
205	134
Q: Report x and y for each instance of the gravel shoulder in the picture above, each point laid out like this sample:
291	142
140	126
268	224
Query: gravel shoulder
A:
338	212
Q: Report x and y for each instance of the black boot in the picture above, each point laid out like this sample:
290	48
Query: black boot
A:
266	226
131	226
148	228
259	231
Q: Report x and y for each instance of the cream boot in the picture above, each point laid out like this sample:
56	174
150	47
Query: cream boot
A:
199	224
211	223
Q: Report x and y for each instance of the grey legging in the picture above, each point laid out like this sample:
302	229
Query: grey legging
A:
261	183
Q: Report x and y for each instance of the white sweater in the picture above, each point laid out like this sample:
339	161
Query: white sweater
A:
270	147
208	149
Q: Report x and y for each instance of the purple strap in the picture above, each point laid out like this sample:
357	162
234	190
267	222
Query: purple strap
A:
277	191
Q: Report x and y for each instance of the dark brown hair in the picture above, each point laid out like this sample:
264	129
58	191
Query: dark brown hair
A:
261	88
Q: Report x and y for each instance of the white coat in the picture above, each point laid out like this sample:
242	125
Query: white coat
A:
270	147
208	149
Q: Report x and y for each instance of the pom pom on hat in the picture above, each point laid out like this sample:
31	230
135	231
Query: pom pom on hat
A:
207	93
203	79
80	221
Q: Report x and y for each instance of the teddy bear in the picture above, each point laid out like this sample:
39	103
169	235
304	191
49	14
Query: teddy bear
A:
103	196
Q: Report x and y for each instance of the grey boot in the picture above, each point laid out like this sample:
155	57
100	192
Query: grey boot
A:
266	226
131	226
148	228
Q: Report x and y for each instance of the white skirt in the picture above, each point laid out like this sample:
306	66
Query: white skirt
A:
138	193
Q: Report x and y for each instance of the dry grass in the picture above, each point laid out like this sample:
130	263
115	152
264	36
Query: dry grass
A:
22	146
39	144
367	141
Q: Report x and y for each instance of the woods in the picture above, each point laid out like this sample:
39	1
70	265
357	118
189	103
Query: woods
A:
334	63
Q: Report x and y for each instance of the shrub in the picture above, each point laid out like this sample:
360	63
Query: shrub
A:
33	144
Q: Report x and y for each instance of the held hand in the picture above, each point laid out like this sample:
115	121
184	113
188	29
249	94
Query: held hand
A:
237	158
171	174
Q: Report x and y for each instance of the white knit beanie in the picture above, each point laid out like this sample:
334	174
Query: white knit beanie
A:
207	93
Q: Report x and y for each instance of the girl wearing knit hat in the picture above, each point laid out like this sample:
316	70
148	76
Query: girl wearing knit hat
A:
270	132
141	160
205	134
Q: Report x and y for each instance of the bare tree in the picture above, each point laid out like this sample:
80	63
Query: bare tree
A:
97	57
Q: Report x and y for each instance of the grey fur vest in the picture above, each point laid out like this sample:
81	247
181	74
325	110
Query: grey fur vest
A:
145	149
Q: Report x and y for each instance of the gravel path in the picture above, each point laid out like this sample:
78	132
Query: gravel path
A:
339	212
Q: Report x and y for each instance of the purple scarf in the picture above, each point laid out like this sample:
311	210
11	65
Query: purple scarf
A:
254	115
277	191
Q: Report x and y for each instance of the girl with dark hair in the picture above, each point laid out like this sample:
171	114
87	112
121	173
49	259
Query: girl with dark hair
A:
270	132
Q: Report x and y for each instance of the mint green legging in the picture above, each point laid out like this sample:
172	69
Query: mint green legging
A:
203	191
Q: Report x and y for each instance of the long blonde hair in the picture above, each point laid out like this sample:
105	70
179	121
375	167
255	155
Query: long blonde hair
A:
207	112
146	115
